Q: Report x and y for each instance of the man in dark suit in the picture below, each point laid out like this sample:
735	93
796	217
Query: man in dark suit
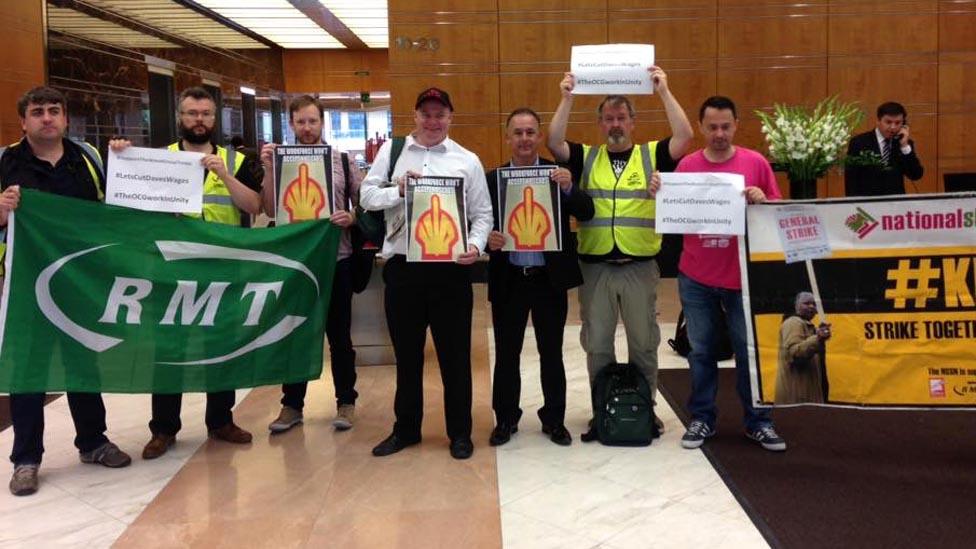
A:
520	283
890	142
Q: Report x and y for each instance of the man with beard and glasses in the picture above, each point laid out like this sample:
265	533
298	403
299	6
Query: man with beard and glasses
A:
47	161
617	247
305	118
229	187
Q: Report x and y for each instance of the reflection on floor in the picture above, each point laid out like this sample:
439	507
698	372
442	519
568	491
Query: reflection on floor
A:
314	487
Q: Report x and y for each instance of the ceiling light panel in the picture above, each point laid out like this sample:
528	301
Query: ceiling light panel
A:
276	20
74	23
368	19
170	17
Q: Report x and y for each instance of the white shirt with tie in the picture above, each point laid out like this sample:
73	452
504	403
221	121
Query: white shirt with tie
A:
447	159
904	147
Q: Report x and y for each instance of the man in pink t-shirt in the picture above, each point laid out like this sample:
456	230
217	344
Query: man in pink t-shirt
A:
709	282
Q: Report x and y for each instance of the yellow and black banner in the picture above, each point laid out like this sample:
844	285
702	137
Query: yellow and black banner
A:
898	292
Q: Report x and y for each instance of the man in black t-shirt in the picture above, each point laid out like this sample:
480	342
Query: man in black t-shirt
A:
46	161
617	247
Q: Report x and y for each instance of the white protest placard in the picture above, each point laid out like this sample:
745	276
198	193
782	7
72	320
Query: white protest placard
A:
701	203
802	233
612	69
157	180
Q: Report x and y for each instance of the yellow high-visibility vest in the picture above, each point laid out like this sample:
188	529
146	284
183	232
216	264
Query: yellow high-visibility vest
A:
217	204
624	208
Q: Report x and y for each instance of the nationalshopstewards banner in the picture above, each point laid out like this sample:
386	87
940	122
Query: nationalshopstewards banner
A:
102	298
898	290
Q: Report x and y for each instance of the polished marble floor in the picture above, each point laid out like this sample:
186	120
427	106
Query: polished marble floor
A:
315	487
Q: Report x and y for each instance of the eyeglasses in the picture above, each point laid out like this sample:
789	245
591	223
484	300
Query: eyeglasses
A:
206	115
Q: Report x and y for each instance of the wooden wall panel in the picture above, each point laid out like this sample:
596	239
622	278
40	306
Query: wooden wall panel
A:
957	87
540	92
957	102
462	45
903	77
686	37
881	26
523	45
471	95
21	61
921	53
309	71
763	31
400	10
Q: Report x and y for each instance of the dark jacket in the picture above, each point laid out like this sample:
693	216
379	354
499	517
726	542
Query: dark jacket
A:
70	177
562	268
876	181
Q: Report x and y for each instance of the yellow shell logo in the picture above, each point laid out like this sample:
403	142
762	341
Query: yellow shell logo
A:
529	223
303	198
436	232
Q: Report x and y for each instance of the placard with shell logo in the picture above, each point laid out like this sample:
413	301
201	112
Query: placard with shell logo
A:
303	183
437	225
528	208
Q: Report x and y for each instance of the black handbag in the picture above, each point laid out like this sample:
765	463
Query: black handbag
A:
363	255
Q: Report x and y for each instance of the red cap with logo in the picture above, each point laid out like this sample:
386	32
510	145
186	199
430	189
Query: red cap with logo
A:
434	94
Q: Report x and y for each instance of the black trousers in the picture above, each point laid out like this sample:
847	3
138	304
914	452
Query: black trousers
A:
166	412
437	295
529	292
338	329
27	416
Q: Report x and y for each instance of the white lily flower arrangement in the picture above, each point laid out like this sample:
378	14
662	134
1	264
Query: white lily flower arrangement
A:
806	143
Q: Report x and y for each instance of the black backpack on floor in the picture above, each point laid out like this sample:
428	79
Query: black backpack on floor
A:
623	413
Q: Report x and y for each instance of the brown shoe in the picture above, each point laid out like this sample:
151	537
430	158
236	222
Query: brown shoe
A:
24	481
158	445
345	416
231	433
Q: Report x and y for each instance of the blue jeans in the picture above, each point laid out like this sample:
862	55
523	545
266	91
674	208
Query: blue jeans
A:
703	306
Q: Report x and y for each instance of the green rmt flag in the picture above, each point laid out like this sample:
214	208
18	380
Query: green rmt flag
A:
101	298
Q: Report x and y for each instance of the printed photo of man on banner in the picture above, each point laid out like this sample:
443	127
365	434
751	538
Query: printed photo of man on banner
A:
303	183
529	206
437	225
897	278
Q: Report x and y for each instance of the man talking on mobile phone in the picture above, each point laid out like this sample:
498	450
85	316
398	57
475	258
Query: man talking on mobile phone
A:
890	141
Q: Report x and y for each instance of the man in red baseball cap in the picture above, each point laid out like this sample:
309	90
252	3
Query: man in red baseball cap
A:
421	295
434	94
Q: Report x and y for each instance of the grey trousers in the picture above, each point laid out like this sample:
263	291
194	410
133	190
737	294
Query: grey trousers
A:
629	292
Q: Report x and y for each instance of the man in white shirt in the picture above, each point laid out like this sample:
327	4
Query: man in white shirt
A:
419	294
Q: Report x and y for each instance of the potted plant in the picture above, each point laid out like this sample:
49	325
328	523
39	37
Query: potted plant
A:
805	143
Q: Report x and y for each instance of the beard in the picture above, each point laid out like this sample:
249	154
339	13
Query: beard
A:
308	139
616	136
196	138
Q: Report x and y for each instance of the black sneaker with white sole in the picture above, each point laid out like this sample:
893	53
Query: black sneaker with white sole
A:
696	434
767	437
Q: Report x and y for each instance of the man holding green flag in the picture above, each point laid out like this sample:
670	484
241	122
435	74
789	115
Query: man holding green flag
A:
227	189
46	161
